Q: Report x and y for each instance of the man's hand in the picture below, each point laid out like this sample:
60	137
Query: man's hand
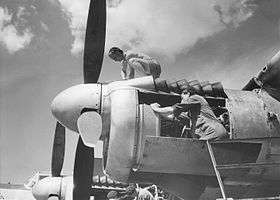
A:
179	108
165	112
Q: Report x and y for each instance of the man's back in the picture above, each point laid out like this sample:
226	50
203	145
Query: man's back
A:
132	54
141	63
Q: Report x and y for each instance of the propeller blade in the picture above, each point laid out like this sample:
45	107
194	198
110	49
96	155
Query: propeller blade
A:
58	150
94	40
93	59
90	127
83	171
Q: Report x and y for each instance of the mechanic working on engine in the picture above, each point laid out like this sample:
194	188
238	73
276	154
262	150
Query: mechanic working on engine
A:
133	62
196	109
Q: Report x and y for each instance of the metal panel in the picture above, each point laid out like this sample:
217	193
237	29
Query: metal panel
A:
147	127
248	116
266	166
272	107
270	153
190	156
123	133
146	83
175	155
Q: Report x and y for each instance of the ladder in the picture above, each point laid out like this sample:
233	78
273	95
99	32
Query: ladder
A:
234	166
218	175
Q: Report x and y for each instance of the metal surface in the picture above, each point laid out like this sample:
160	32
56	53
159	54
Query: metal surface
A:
270	153
90	127
46	187
248	165
68	105
147	127
266	165
248	115
200	88
270	74
176	155
190	156
146	83
123	133
255	115
272	107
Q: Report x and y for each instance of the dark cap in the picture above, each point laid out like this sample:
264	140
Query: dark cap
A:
115	49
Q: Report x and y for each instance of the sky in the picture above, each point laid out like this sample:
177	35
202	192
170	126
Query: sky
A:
41	48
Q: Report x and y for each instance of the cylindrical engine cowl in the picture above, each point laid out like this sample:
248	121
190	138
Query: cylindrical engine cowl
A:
122	148
53	188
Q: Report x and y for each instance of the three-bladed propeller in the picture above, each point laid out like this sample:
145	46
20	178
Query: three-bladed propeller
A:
93	58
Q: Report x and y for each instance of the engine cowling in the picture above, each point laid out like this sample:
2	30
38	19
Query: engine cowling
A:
124	131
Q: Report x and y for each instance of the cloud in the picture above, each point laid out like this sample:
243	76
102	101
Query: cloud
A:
231	13
44	26
77	16
158	26
10	37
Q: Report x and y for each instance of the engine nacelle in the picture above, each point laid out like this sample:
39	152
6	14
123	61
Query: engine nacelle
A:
130	123
59	188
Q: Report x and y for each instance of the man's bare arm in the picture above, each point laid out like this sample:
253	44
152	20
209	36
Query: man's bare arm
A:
123	74
124	70
165	112
130	73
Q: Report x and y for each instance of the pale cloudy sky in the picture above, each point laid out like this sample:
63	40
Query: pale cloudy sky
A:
41	44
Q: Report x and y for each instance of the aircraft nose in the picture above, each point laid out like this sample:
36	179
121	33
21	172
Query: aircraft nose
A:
68	105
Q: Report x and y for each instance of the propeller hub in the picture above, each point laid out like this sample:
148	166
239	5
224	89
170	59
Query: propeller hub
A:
56	187
68	105
47	187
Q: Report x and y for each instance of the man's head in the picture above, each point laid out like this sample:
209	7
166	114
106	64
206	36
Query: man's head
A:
116	54
188	92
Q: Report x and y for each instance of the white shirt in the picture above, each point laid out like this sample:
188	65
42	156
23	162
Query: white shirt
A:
140	63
